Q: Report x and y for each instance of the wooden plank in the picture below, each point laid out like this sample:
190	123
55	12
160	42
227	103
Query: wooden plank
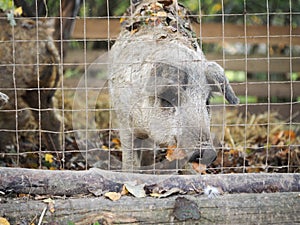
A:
108	29
96	28
283	89
253	64
257	63
214	32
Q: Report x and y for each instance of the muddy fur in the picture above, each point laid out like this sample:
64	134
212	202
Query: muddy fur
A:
29	75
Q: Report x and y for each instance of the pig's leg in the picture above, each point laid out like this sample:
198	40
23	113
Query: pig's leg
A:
146	151
130	155
9	121
50	123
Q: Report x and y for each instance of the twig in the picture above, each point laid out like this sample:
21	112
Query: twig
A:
42	216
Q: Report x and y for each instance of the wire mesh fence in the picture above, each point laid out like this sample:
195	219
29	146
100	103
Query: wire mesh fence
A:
145	92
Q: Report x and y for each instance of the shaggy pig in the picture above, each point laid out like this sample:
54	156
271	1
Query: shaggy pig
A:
160	85
29	75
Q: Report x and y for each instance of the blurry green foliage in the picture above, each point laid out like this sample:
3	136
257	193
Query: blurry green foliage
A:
6	5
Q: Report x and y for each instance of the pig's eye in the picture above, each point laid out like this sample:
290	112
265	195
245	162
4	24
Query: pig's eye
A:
163	103
166	105
169	97
208	102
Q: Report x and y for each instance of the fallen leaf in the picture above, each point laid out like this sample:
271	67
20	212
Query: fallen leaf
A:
136	190
174	153
199	168
41	197
167	193
253	169
116	142
4	221
22	195
124	190
166	2
161	14
96	192
122	19
51	207
18	11
48	200
49	158
104	147
289	134
114	196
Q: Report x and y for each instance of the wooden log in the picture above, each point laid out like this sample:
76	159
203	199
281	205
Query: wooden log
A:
257	207
263	208
69	183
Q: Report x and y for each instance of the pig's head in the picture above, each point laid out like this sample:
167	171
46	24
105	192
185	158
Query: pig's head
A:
176	106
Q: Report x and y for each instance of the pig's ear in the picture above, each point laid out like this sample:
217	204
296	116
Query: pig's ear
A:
218	82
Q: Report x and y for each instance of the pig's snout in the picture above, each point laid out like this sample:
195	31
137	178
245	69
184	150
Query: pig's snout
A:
205	155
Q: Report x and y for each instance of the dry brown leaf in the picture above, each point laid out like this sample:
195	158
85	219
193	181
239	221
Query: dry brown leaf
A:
51	207
4	221
166	2
114	196
124	190
51	204
122	19
137	190
117	142
41	197
253	170
161	14
167	193
199	168
174	153
21	195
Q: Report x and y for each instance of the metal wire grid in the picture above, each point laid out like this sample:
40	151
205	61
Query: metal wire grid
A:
90	140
